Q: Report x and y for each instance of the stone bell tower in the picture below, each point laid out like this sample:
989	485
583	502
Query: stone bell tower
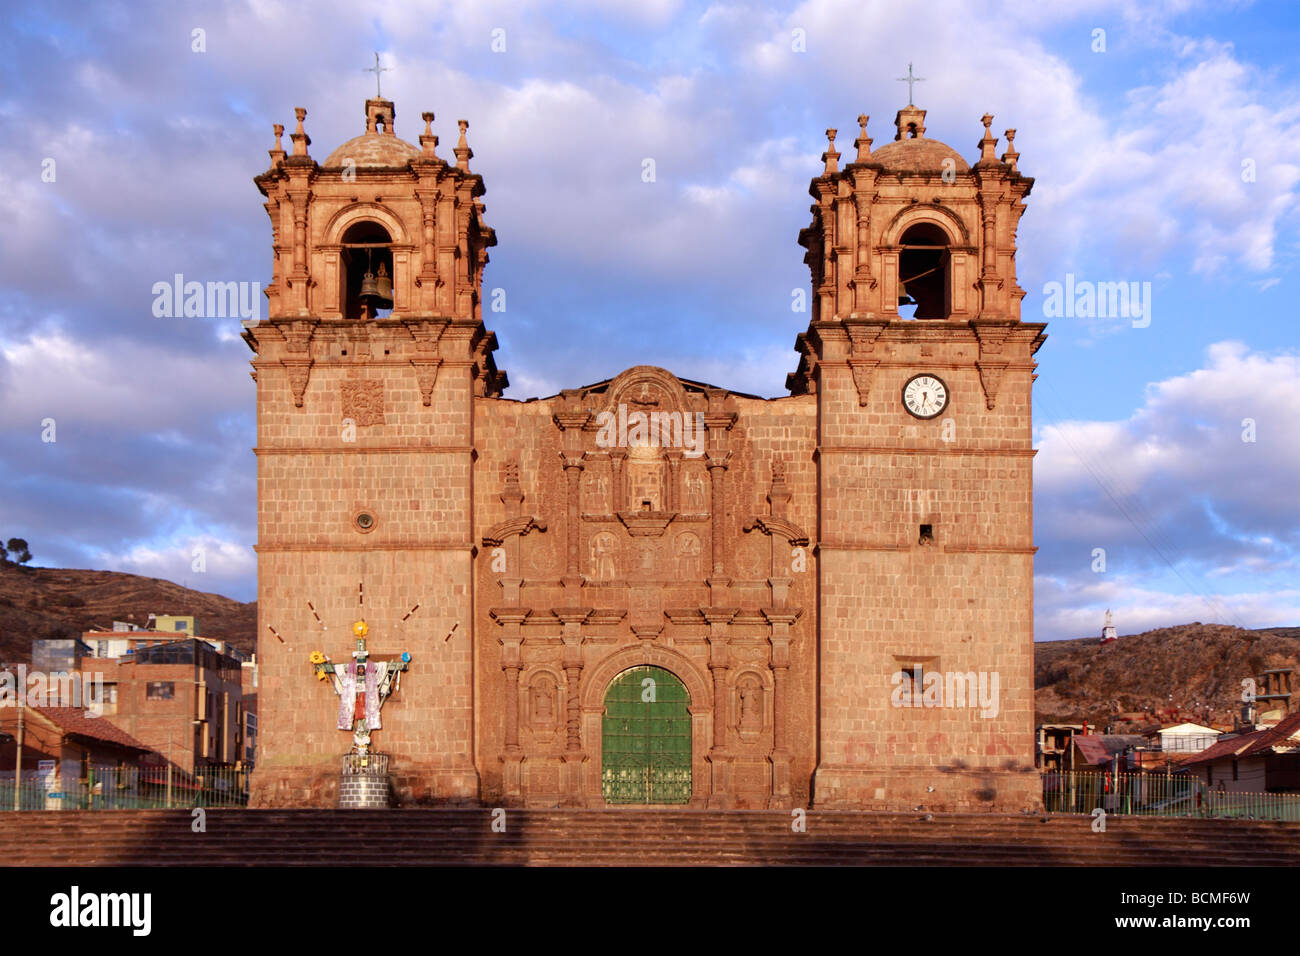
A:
922	370
367	368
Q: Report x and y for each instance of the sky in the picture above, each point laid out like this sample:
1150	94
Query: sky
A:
1164	139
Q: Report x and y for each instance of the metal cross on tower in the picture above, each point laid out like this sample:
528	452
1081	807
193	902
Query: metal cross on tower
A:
909	80
377	69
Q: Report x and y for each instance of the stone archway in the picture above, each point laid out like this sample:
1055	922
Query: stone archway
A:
646	739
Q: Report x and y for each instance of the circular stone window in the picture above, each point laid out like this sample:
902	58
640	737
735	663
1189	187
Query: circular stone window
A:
364	521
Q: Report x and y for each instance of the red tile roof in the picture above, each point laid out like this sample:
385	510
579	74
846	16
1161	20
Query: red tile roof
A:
73	720
1100	748
1252	744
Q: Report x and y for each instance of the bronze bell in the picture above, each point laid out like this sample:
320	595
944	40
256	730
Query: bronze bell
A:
384	284
369	287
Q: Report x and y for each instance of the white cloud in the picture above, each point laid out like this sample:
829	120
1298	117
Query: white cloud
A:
223	563
116	385
1175	484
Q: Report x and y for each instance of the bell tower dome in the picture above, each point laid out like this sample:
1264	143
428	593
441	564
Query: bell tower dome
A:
377	199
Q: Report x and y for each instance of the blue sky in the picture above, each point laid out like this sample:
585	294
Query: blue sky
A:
1137	151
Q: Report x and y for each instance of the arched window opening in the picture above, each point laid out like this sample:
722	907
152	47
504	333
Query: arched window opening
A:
923	273
367	271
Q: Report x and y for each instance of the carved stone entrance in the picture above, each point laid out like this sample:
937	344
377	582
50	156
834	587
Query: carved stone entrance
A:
646	739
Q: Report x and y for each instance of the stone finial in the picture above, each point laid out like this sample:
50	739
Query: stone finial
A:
428	141
987	152
277	153
830	157
863	142
300	138
463	152
1010	156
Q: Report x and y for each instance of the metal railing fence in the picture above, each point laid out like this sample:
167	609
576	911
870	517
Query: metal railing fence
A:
129	788
1161	795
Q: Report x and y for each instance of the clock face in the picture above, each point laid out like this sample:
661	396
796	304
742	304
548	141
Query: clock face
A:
925	396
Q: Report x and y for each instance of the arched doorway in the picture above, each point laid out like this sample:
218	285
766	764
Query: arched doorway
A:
646	738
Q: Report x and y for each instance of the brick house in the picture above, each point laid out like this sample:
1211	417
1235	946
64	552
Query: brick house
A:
65	735
183	698
787	579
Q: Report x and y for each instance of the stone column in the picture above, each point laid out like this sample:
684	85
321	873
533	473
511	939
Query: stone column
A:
717	471
673	493
511	641
573	490
719	664
617	461
781	758
574	756
299	197
570	422
863	281
990	283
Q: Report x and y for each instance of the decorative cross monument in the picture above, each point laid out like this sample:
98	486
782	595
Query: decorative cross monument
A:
909	80
377	69
362	686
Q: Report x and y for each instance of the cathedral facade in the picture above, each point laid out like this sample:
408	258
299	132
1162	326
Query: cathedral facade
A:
650	590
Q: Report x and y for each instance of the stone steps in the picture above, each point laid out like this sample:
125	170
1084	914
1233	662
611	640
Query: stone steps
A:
635	838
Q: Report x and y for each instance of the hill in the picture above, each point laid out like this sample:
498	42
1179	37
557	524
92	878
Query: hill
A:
1191	667
62	602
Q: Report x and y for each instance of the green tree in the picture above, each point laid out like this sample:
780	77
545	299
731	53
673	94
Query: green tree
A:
18	548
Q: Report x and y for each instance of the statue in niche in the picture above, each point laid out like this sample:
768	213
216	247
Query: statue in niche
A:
543	702
603	564
686	563
751	705
695	493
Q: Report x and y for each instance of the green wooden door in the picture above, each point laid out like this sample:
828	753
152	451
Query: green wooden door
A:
646	738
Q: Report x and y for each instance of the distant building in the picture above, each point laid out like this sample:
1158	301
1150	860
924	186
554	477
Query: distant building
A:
1262	761
59	655
250	675
64	741
175	624
114	644
1275	695
1186	738
1054	740
1100	751
184	699
1108	629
